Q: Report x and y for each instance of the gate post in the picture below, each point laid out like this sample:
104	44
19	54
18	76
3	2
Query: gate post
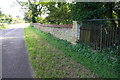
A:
75	32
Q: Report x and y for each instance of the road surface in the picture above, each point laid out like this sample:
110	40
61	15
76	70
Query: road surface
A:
15	60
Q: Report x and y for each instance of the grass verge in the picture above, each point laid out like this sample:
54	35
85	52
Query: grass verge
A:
2	26
52	57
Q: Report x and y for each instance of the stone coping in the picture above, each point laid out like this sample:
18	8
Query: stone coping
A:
55	25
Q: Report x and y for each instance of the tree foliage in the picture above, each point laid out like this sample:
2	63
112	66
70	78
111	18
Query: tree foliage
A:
5	18
65	13
59	13
98	10
85	11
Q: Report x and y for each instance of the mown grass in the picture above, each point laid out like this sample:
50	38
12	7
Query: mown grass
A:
49	62
36	41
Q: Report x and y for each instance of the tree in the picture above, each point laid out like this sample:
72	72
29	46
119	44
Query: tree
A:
8	18
5	18
59	13
64	12
32	9
83	11
116	9
96	10
53	9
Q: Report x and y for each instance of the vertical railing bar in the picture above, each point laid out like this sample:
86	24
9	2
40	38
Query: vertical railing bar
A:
113	36
116	36
109	37
96	43
105	38
101	38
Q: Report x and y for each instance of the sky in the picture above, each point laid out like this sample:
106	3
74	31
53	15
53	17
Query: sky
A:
11	7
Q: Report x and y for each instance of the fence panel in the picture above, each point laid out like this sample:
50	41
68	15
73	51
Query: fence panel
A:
99	36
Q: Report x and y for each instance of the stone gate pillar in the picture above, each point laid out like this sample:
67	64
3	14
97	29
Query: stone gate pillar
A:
75	32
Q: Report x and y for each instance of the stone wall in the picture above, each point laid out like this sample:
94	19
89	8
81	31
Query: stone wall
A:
66	32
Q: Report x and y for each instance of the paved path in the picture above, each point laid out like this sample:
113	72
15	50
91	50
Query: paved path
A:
15	60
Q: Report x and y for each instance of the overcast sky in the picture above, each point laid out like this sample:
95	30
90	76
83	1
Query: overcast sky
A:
11	7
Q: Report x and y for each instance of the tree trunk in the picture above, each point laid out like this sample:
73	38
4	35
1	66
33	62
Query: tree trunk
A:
118	31
110	12
118	17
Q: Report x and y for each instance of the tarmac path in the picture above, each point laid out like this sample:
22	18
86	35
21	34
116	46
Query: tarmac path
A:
15	56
